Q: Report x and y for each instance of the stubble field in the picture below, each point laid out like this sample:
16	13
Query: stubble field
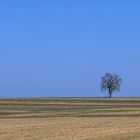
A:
70	119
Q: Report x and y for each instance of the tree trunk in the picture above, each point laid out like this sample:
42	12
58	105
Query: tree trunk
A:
110	93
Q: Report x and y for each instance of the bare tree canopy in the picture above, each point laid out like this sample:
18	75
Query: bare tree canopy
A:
111	83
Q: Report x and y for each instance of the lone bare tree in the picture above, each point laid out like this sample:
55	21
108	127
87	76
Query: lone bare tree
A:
111	83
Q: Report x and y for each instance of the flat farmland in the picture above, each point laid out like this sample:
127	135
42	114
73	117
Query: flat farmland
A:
70	119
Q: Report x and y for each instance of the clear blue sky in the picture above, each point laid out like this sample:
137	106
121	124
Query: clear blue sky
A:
62	48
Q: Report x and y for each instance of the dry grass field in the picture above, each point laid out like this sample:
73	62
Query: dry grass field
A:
70	119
